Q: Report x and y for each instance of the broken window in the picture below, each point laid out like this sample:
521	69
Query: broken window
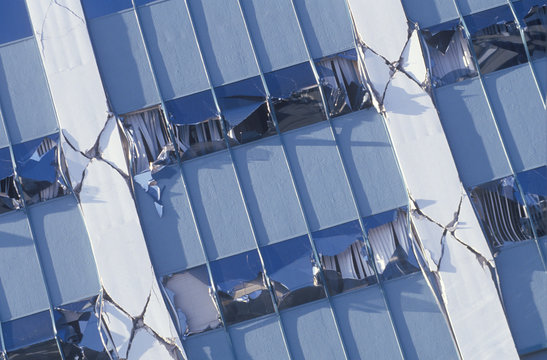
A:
147	141
342	83
501	211
496	39
9	195
244	107
242	287
533	19
31	337
191	298
448	55
344	257
79	333
293	272
534	186
389	239
40	167
296	97
196	123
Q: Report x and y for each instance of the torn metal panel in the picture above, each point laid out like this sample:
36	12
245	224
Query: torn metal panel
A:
121	256
412	59
119	326
146	346
382	28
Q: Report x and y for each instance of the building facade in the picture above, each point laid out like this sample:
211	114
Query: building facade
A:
289	179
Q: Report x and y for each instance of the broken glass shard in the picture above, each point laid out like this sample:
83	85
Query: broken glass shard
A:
534	186
241	287
501	211
244	107
388	235
533	20
496	39
448	55
293	272
296	97
40	168
343	83
196	123
344	257
9	195
191	299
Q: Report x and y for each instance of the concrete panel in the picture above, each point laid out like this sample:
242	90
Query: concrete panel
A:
211	345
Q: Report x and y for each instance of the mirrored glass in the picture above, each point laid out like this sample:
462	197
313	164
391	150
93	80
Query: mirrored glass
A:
9	194
196	123
496	39
241	287
40	168
14	21
388	236
293	272
534	187
296	97
501	211
28	330
344	257
244	107
97	8
447	53
533	19
343	83
44	351
192	300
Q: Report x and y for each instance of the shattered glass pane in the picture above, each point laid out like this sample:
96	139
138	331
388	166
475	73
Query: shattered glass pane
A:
9	195
534	186
448	55
242	287
196	123
343	83
344	257
501	211
244	107
147	141
40	164
533	19
496	39
296	97
28	330
44	351
389	239
78	331
192	300
293	272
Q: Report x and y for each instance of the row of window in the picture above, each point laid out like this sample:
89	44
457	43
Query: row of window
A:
495	39
291	273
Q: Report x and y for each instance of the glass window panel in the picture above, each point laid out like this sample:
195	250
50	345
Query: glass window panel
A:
28	330
343	83
242	287
501	211
14	21
9	194
293	272
44	351
389	239
192	300
448	55
244	107
344	257
533	19
296	97
196	123
148	143
534	186
97	8
40	164
496	39
78	331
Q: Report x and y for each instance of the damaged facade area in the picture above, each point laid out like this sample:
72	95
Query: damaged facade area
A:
298	179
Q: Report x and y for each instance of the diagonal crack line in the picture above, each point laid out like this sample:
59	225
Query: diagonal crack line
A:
69	10
138	322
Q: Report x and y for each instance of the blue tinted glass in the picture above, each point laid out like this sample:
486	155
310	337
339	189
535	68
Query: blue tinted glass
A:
192	109
6	166
282	83
534	186
28	330
14	21
143	2
97	8
292	270
533	19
